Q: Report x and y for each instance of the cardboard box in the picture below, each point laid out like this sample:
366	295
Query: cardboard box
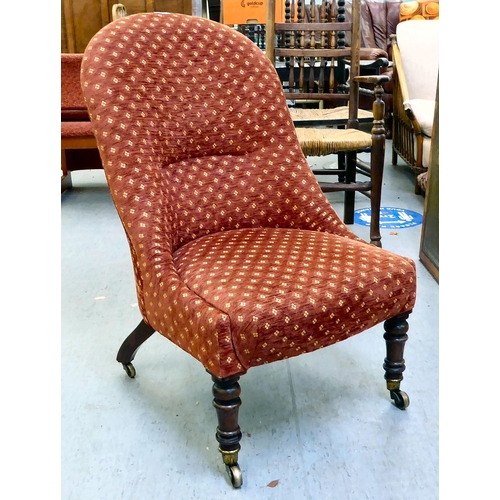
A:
250	11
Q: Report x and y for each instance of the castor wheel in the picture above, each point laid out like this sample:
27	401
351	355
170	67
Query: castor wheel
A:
401	399
129	369
234	473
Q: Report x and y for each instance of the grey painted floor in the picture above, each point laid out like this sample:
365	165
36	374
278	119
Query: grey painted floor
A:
322	424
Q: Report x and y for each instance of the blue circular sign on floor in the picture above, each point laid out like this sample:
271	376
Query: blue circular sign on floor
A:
390	217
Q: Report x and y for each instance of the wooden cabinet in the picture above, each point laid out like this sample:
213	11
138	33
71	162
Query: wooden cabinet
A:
429	244
82	19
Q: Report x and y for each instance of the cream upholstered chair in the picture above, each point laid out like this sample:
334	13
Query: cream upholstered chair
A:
239	258
416	65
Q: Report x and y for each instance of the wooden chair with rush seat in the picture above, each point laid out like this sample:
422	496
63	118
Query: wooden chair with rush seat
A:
318	58
239	258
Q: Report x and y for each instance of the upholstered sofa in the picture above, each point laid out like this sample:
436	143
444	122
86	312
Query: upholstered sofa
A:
78	144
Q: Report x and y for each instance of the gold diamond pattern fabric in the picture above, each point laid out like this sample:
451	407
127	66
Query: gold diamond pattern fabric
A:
288	291
239	258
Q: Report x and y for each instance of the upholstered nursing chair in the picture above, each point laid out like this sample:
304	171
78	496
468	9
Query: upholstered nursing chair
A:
239	259
416	66
318	56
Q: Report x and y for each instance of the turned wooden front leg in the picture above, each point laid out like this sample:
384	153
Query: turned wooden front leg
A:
226	393
394	364
395	338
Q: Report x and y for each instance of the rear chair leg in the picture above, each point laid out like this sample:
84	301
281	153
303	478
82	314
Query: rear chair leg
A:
377	165
350	178
226	393
131	345
394	157
394	364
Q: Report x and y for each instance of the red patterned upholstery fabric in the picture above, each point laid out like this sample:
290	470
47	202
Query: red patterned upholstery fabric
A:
239	258
76	129
291	291
71	93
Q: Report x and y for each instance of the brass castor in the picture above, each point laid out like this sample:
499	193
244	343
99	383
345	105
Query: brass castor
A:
401	399
235	476
129	369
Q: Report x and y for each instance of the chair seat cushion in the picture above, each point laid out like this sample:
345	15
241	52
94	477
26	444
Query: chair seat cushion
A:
422	181
325	116
289	291
423	110
372	53
325	141
76	129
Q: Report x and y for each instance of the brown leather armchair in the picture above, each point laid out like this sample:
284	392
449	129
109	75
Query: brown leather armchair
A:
239	258
378	23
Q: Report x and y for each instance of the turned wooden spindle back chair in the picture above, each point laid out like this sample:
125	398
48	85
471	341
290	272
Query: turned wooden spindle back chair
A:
316	52
239	258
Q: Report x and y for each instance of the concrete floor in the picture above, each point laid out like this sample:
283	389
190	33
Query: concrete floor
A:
331	434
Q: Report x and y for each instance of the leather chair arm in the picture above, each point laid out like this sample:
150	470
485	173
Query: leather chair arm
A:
372	53
374	79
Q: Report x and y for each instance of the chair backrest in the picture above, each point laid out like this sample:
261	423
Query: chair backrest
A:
73	106
71	91
378	23
311	48
418	43
194	132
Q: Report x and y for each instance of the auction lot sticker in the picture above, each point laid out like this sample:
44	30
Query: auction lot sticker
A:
390	217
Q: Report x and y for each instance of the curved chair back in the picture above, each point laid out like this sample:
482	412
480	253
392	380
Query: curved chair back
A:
212	118
199	120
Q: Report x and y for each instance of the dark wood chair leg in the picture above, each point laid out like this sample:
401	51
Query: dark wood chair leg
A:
394	364
377	165
394	157
227	402
418	189
341	165
349	196
130	346
388	124
66	182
